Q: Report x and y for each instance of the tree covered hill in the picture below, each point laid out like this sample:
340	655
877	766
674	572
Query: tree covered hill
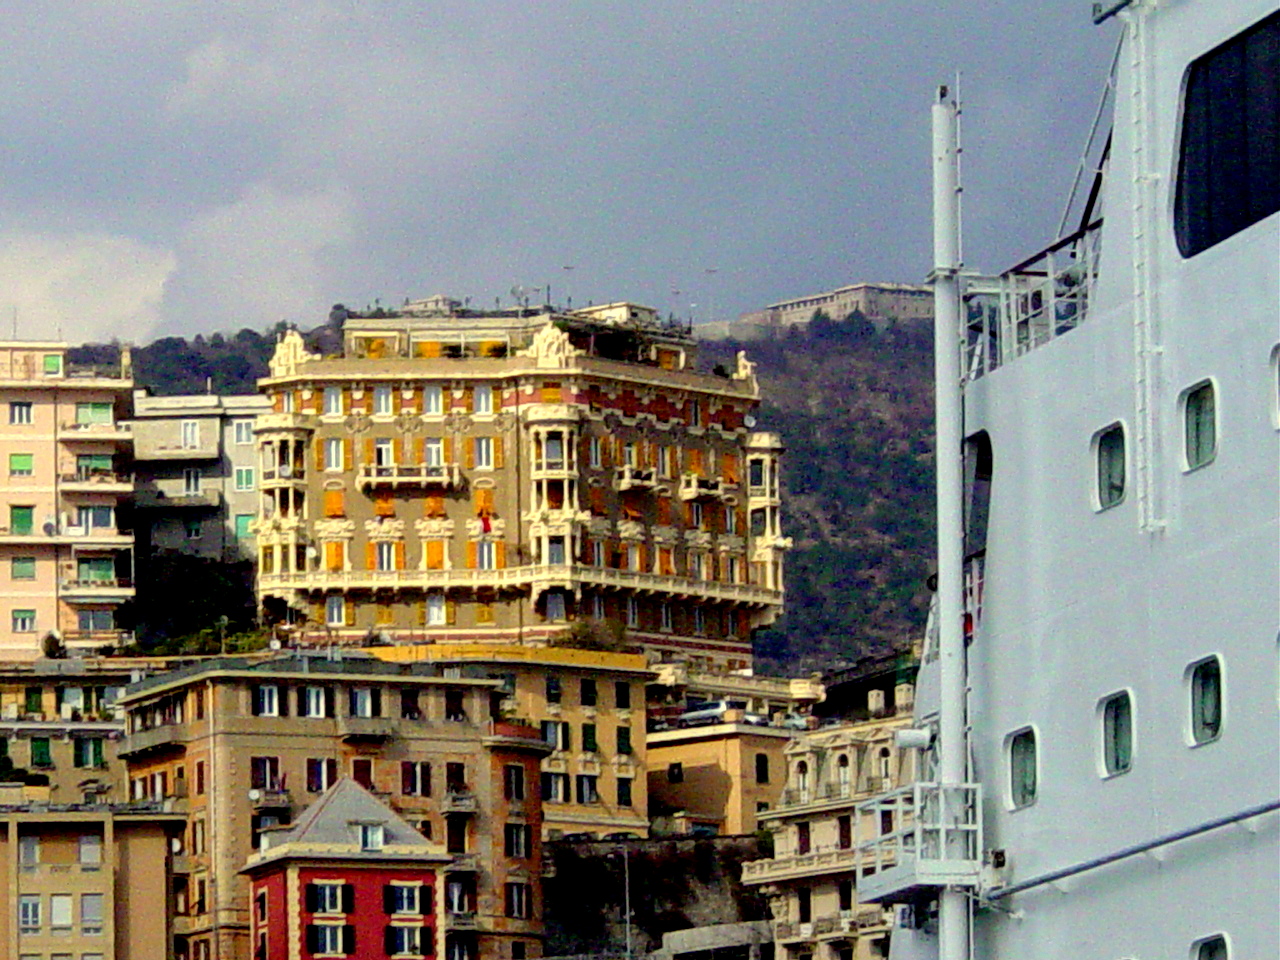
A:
854	405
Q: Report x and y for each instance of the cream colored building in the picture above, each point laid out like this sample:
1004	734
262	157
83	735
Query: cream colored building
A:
717	779
66	561
87	882
812	879
460	475
590	707
677	685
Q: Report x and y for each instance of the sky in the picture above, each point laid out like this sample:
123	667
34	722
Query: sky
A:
172	168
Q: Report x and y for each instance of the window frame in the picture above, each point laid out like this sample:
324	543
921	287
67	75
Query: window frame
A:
1189	682
1107	769
1100	503
1184	407
1015	801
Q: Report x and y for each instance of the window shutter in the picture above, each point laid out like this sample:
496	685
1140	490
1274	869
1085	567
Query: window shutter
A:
644	558
400	555
730	468
348	455
566	736
424	778
450	612
383	505
406	786
309	898
328	702
434	506
370	450
500	555
448	450
389	944
370	556
420	450
376	701
313	935
470	452
348	935
466	400
471	554
349	611
606	453
435	554
499	457
282	701
346	400
319	444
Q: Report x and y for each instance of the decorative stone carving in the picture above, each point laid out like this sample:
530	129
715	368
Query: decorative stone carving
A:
433	527
358	422
384	528
698	538
409	423
456	421
630	530
551	348
497	529
505	421
746	370
667	536
290	353
335	528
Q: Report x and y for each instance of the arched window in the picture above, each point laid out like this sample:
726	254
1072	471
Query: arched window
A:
842	770
802	777
886	762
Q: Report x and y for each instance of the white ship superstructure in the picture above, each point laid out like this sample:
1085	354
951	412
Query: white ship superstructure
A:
1102	688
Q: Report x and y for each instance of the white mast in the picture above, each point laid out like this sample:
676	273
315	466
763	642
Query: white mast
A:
953	907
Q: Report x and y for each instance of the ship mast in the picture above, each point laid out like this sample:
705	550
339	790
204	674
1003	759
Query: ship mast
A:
953	906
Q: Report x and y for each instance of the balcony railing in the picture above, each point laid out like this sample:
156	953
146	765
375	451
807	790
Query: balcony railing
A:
207	499
790	866
460	800
446	475
166	735
694	487
634	478
96	589
269	798
96	431
96	479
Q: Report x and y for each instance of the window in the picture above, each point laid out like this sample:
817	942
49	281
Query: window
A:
455	706
519	900
589	741
335	611
762	768
95	621
433	400
483	400
804	905
844	832
364	702
624	791
484	453
555	551
22	568
435	610
190	434
321	774
1109	444
29	913
1022	768
675	773
554	691
455	777
485	561
804	838
433	452
90	850
595	453
90	517
191	482
382	401
242	432
555	788
24	621
624	741
242	521
588	694
696	517
668	621
513	782
87	753
588	791
22	464
29	849
518	840
555	605
91	913
1201	441
60	915
266	700
52	365
455	830
314	702
331	938
699	621
264	773
1213	948
244	478
334	454
556	733
333	401
384	555
371	836
1206	700
1229	167
403	941
21	520
1117	734
844	895
415	778
20	413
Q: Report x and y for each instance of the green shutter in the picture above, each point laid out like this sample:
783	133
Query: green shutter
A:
41	756
52	364
22	464
21	520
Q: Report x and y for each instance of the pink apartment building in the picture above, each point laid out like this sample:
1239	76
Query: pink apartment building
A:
66	565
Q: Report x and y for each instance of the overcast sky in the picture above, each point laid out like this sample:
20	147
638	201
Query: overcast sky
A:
174	167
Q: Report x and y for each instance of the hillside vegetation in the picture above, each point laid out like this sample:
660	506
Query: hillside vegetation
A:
853	405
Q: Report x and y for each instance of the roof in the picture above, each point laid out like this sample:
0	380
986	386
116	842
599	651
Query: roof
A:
327	830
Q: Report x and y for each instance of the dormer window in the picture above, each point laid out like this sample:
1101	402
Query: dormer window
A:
372	836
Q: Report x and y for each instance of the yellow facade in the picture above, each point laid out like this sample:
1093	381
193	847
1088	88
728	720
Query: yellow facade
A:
544	687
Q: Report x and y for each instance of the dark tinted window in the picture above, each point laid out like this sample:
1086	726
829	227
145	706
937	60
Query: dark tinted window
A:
1229	173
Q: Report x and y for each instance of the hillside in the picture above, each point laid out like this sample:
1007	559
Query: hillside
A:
854	407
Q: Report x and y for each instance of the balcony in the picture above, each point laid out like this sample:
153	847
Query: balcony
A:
634	478
96	591
459	800
938	842
209	499
167	736
288	422
444	475
114	432
284	475
825	793
795	866
366	729
96	481
694	487
270	798
461	920
847	923
464	863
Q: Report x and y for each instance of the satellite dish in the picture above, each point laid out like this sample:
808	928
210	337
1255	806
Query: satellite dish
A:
49	528
286	471
273	645
749	420
255	794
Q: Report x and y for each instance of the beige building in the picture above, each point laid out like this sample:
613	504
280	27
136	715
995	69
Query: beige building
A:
812	879
679	685
66	558
719	778
589	706
90	882
878	302
246	747
196	467
458	475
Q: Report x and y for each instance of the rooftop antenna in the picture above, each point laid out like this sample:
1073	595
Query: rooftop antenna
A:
15	321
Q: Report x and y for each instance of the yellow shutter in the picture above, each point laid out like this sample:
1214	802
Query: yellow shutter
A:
448	449
469	445
346	400
334	505
333	556
319	453
697	462
349	612
471	554
400	555
497	397
348	453
551	392
450	612
370	556
465	401
484	612
435	554
420	450
383	505
369	450
664	511
277	403
500	555
644	558
435	505
397	399
427	349
729	468
499	455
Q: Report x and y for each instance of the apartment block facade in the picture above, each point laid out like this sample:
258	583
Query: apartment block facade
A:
589	706
196	470
89	882
66	546
458	475
245	748
813	877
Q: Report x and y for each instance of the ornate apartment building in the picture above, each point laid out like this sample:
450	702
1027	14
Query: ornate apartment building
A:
66	551
460	475
243	748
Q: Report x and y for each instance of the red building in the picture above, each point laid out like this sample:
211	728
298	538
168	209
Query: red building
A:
349	879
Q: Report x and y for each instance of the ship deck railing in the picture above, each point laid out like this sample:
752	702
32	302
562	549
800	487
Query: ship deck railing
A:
1031	304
